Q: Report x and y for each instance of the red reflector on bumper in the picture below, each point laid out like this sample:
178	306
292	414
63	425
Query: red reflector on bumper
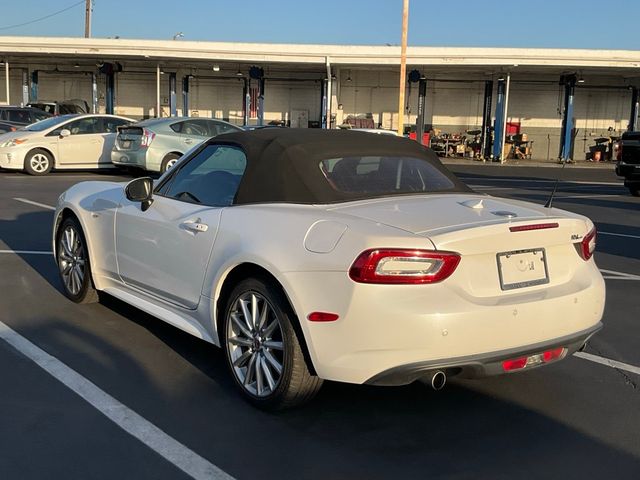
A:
516	364
536	226
322	317
534	359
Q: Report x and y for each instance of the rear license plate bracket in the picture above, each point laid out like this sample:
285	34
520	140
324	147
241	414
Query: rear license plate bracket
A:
522	268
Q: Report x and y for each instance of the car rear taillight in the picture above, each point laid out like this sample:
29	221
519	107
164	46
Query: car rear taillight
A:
532	360
147	138
401	266
587	246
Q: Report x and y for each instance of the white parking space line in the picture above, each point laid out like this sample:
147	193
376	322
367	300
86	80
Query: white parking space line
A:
613	275
37	204
179	455
619	234
26	252
608	362
532	180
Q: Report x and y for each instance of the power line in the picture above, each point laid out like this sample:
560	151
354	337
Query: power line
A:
42	18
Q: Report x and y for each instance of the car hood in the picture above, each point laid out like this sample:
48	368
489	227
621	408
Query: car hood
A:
17	134
435	214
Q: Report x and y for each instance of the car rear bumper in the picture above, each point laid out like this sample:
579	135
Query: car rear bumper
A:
384	327
629	171
483	365
129	158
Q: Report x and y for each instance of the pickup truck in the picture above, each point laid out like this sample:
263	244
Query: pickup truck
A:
628	165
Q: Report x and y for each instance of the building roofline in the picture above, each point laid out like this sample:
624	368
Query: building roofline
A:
164	50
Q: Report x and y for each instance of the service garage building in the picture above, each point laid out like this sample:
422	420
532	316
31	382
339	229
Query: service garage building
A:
522	103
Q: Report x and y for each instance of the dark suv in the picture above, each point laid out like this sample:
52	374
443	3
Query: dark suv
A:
13	118
628	165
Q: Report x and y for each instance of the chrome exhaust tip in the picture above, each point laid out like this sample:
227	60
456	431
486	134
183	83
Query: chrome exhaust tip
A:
436	379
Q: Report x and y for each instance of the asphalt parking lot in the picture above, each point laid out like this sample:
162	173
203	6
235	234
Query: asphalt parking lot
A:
578	418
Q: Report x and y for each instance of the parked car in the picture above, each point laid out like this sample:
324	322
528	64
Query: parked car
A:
157	144
8	127
67	141
20	116
323	254
64	107
628	165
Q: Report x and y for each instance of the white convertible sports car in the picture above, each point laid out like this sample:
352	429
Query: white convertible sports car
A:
311	255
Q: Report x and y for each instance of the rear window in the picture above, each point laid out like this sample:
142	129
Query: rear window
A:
373	175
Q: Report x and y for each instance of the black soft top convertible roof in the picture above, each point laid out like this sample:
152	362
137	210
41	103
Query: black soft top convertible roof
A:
283	164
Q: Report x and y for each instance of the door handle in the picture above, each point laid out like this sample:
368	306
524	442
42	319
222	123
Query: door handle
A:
188	141
195	227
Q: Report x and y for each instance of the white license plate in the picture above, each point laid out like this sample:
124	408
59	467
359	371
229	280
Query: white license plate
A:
522	268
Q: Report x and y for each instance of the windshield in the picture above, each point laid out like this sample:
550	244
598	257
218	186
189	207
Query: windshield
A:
43	125
374	176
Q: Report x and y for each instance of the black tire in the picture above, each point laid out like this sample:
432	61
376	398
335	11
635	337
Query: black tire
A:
68	259
295	384
635	190
38	162
166	161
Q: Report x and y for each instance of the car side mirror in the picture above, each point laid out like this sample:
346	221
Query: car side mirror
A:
140	190
65	132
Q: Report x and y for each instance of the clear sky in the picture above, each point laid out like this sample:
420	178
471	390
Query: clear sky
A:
533	23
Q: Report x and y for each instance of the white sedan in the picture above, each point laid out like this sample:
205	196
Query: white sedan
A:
310	255
66	141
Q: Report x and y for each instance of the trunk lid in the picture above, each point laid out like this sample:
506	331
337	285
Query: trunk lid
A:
129	137
479	228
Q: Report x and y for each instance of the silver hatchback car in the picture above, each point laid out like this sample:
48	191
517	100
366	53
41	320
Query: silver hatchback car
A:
157	144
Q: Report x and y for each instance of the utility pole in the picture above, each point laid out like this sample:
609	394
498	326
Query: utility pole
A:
403	65
87	18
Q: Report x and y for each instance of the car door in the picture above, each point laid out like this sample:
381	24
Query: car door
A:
193	132
83	146
164	251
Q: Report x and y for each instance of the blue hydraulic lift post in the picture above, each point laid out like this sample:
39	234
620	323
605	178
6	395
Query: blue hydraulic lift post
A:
498	127
173	107
486	120
566	136
185	95
33	95
110	94
635	106
323	104
422	107
246	100
261	83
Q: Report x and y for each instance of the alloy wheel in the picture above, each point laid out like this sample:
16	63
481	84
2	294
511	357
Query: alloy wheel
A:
39	163
255	344
71	260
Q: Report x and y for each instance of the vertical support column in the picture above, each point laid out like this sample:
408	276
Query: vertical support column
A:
485	141
94	93
328	100
635	106
25	87
110	95
499	125
173	107
505	115
323	104
422	104
566	134
158	91
33	94
7	85
261	85
246	101
185	95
